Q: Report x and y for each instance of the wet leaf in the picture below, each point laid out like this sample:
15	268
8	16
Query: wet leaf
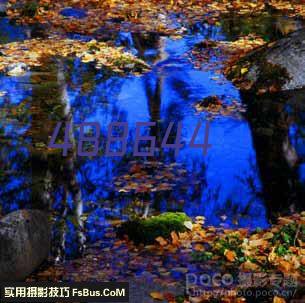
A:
161	241
175	238
279	300
157	296
17	57
230	255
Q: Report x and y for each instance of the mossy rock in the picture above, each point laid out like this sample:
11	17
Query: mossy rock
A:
147	230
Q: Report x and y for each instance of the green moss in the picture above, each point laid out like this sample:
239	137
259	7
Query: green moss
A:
147	230
288	235
230	242
201	256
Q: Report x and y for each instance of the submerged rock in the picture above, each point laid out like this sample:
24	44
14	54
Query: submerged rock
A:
25	238
278	66
147	230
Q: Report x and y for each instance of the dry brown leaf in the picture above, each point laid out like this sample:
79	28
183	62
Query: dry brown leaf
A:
249	266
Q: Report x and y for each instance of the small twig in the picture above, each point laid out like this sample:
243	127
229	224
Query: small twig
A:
296	234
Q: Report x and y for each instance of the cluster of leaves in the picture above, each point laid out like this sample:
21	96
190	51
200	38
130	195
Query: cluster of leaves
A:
236	62
230	247
32	52
290	8
278	248
150	176
227	52
142	15
281	247
265	78
214	106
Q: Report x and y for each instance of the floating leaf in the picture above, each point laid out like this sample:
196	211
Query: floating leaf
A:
157	296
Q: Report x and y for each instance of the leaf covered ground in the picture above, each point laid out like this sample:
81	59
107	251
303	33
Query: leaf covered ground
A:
201	249
143	15
227	52
32	53
167	17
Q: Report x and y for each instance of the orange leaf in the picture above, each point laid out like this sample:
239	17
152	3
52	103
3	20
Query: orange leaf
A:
230	255
278	300
161	241
175	238
198	247
157	296
285	266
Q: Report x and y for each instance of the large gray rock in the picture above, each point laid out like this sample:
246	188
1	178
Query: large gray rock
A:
279	65
25	238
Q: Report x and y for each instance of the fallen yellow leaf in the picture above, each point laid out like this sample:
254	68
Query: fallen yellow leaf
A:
157	296
244	70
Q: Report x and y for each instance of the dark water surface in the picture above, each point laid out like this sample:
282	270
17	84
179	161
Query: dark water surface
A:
254	160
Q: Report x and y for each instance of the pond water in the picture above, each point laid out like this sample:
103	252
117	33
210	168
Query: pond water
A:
236	184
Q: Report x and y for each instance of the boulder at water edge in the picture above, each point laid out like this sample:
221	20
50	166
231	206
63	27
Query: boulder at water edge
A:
25	238
277	66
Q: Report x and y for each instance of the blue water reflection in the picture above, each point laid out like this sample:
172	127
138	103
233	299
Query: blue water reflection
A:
10	32
224	186
167	94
